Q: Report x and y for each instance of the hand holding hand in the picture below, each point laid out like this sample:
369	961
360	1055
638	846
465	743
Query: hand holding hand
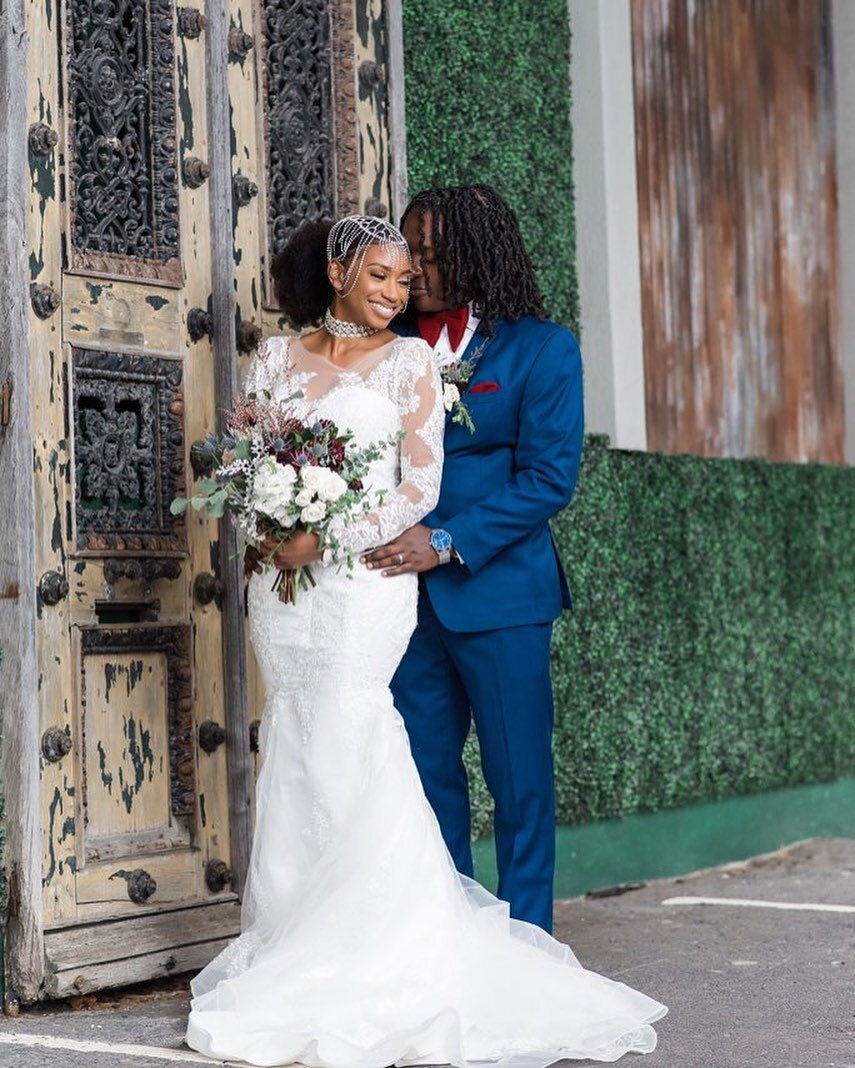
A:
409	552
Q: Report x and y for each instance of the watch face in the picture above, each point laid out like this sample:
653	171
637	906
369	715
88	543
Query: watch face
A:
440	540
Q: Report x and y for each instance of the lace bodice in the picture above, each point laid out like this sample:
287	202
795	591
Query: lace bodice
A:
395	389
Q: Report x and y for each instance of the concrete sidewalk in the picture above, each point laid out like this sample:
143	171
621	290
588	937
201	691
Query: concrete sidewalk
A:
749	985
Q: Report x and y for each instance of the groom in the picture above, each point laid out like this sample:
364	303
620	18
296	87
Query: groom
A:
491	582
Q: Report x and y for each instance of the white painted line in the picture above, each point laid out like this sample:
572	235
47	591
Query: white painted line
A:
751	903
124	1048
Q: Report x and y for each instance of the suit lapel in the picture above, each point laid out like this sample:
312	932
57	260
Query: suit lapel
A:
481	346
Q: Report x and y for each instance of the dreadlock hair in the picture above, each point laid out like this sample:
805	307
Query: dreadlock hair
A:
479	251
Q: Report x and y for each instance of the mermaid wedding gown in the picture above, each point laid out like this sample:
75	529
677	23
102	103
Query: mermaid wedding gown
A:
361	946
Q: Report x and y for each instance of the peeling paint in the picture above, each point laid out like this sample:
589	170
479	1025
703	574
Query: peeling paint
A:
56	804
139	753
110	673
106	776
184	106
135	673
157	302
56	541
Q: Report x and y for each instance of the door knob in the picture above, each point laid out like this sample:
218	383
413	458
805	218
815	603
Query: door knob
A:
207	588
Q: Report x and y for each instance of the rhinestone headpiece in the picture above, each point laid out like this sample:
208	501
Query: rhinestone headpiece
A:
351	237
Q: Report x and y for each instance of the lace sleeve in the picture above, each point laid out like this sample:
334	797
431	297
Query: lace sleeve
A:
418	392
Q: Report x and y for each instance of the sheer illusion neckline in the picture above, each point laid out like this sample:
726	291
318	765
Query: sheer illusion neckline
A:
372	354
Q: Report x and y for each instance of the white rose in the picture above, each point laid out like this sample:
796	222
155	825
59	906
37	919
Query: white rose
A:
450	395
312	478
313	513
273	489
304	497
332	487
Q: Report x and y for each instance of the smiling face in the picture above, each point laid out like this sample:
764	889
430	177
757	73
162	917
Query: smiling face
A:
427	289
379	292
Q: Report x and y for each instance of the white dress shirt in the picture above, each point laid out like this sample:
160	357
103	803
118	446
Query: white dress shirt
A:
445	355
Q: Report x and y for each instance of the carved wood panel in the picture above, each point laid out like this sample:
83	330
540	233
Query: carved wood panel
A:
126	656
123	171
127	416
309	128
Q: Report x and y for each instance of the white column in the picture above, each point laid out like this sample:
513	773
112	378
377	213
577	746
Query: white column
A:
607	219
843	29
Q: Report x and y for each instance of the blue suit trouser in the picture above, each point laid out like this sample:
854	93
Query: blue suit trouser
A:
500	679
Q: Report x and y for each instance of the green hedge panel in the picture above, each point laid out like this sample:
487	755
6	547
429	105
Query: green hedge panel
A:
488	100
711	651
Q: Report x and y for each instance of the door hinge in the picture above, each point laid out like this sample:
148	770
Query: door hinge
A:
6	403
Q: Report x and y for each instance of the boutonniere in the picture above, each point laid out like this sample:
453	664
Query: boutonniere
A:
455	378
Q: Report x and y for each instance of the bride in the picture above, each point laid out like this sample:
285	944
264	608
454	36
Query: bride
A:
361	946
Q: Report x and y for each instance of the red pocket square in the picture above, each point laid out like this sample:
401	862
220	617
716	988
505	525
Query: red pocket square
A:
485	387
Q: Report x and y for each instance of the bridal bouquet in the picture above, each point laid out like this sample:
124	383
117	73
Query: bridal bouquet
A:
277	474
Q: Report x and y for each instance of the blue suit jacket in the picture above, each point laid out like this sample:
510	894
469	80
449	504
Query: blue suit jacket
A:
502	484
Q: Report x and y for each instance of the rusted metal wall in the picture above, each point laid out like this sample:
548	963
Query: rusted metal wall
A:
738	227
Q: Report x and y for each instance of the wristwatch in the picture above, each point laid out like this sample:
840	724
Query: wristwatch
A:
440	542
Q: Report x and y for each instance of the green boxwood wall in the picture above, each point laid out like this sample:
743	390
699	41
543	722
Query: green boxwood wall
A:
711	648
488	99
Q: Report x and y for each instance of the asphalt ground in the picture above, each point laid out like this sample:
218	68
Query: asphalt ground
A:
755	960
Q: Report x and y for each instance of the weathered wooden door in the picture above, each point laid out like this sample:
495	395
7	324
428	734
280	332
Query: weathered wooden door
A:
152	132
737	189
134	785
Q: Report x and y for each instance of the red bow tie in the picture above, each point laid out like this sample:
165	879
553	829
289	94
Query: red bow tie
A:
431	324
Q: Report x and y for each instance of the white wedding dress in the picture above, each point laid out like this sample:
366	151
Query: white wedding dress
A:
361	946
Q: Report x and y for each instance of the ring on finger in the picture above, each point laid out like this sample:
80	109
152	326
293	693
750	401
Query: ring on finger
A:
400	559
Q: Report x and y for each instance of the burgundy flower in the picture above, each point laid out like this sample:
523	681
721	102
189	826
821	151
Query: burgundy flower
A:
336	453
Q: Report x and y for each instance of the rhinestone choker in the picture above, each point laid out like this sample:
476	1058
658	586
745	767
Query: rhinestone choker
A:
342	328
